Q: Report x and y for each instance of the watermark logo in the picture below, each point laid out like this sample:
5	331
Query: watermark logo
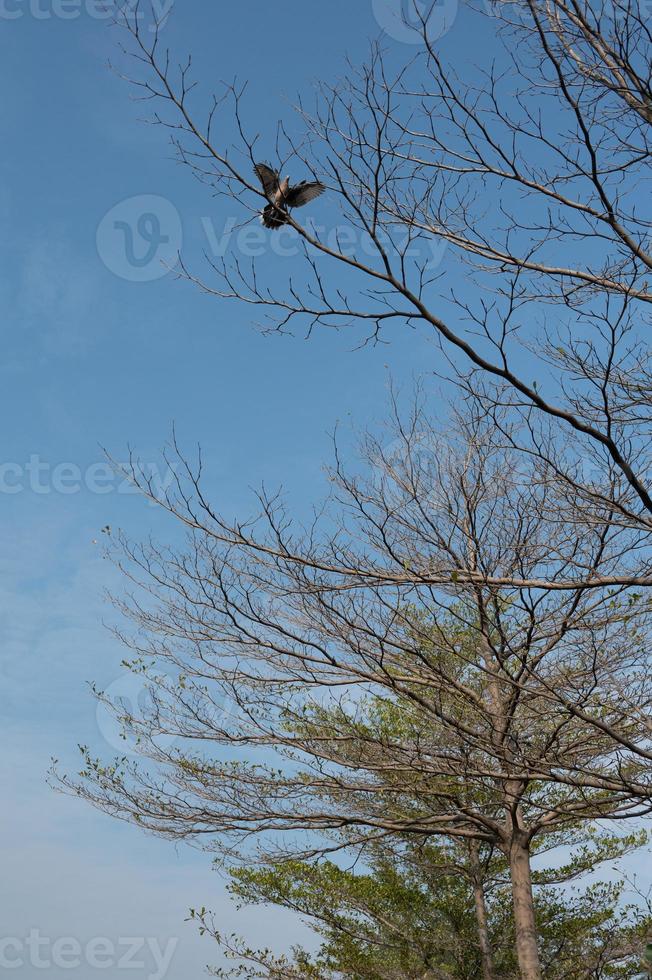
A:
412	21
100	953
140	238
127	697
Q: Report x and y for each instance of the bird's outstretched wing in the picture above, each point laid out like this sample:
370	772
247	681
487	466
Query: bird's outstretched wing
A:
303	193
268	178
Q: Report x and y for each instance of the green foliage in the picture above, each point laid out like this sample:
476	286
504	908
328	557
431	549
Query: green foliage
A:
352	910
392	920
412	916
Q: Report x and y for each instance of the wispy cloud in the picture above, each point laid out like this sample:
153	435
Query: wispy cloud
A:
58	291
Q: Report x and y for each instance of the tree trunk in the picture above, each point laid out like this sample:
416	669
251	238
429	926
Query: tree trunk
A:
486	952
524	921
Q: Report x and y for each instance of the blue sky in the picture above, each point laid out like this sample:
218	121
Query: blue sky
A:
92	359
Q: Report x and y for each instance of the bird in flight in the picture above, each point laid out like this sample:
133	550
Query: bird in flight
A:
282	197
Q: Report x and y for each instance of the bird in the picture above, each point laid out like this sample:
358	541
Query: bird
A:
282	197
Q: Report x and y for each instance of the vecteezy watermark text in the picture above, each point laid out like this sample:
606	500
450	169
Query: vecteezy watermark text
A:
68	953
160	10
41	477
253	241
140	240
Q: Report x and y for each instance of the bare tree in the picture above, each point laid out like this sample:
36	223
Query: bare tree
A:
509	712
533	170
495	587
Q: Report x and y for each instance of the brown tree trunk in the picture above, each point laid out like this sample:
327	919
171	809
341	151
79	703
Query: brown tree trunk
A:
486	952
524	921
